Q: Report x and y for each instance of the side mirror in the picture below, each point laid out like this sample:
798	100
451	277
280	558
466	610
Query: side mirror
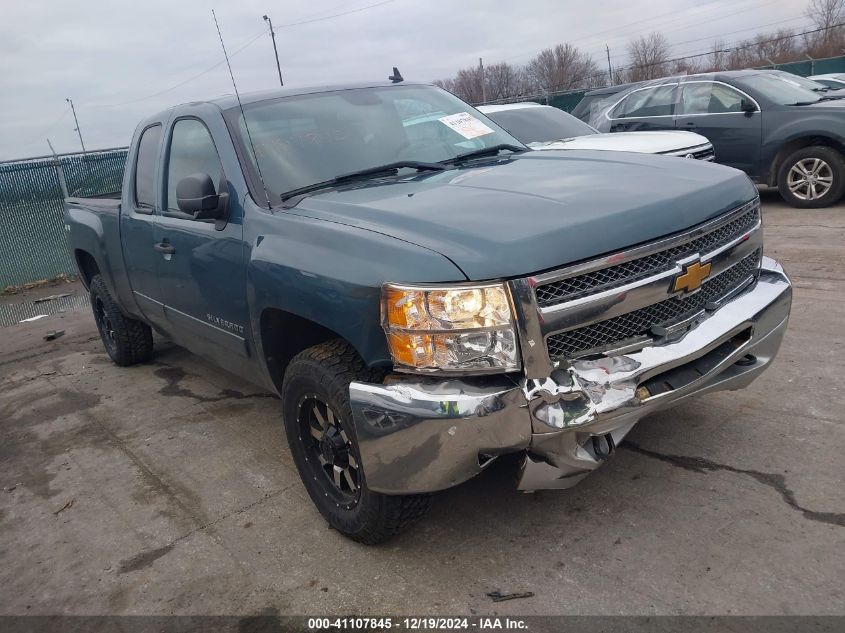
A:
747	106
196	195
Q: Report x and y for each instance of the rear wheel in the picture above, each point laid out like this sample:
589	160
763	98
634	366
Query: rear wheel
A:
318	424
812	177
126	340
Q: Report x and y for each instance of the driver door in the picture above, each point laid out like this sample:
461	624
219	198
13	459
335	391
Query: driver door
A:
203	275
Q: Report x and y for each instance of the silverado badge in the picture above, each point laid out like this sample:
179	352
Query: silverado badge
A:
692	277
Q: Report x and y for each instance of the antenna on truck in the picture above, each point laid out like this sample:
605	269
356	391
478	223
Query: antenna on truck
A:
241	106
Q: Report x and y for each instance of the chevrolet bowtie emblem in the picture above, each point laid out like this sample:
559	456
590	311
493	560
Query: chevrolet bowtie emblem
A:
692	277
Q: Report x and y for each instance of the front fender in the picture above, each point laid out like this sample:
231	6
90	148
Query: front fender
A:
780	131
331	274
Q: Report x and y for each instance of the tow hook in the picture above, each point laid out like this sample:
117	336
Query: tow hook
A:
603	446
747	360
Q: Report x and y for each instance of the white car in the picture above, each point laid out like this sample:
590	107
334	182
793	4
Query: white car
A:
545	127
831	80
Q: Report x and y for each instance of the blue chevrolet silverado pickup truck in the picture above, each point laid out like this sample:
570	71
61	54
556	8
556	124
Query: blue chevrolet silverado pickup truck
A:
423	293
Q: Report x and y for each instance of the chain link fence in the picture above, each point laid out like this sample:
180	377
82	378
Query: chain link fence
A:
33	246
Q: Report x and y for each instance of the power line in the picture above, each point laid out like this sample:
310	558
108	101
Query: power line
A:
335	15
181	83
655	22
715	37
734	48
41	135
235	52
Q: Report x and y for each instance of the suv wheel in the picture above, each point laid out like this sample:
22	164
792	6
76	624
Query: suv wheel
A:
812	177
321	436
126	340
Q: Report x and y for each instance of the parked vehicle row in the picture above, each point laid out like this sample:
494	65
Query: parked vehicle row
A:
831	80
423	292
778	132
543	127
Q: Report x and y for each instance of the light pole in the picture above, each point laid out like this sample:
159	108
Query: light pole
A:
76	129
275	50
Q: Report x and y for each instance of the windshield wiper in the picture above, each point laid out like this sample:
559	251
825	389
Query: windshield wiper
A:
803	103
486	151
389	169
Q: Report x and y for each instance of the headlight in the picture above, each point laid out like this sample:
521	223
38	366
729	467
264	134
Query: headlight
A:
461	328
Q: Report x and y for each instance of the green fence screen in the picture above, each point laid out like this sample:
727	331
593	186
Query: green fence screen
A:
32	236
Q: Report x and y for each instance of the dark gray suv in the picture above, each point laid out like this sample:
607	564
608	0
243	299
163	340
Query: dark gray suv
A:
776	131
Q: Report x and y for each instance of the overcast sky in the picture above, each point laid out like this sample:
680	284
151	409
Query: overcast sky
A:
119	60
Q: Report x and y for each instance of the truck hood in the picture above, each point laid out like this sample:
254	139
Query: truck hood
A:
641	142
538	210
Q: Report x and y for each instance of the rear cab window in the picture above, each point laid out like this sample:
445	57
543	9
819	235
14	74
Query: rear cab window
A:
145	167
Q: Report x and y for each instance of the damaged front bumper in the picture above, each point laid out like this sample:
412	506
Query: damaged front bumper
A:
419	435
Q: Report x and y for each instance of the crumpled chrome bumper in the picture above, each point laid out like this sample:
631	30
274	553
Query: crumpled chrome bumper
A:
419	434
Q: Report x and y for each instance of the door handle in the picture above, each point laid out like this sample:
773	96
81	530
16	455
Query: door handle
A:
689	124
165	247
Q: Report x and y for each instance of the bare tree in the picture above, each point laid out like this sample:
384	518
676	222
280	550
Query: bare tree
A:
826	14
504	81
649	57
778	47
562	68
468	84
718	58
446	84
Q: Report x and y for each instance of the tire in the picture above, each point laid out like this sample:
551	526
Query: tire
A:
317	417
126	340
812	177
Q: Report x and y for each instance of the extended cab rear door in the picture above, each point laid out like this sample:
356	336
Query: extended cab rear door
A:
714	109
202	276
138	225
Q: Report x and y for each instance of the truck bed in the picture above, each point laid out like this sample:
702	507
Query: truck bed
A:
102	202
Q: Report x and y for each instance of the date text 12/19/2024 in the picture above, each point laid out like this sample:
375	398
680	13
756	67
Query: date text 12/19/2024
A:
416	624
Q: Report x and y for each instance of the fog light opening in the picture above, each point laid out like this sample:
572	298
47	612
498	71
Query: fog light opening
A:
603	446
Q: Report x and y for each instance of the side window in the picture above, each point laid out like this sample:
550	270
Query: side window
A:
145	164
710	98
191	151
657	101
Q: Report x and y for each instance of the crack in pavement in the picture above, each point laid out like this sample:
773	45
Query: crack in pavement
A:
772	480
148	557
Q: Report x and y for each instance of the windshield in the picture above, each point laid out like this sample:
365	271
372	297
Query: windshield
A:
307	139
540	124
777	90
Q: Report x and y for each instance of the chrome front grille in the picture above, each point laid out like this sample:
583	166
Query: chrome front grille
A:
701	152
645	295
642	323
705	154
582	285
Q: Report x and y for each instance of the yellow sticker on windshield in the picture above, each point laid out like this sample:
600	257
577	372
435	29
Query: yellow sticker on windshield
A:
465	124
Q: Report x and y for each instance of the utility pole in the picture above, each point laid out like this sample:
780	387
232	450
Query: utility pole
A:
609	68
76	129
275	50
483	87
